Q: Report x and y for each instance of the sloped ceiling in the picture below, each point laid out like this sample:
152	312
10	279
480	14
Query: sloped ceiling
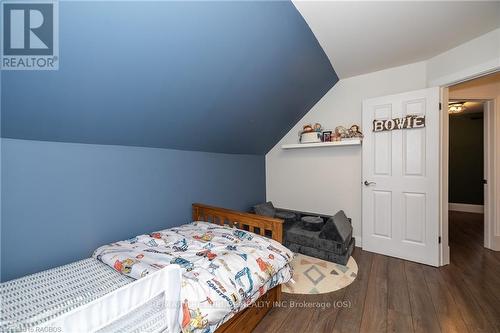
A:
228	77
366	36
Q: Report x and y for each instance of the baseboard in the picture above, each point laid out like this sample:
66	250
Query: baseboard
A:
467	208
358	241
495	244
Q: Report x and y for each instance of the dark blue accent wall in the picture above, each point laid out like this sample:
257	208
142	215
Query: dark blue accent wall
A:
229	76
60	201
156	104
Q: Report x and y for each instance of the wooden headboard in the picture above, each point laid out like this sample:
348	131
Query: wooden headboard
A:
262	225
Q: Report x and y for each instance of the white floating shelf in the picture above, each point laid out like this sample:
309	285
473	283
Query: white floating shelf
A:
351	142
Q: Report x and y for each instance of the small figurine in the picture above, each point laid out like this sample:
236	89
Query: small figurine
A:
341	132
354	132
307	129
310	133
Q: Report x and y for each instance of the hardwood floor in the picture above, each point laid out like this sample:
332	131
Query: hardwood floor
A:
394	295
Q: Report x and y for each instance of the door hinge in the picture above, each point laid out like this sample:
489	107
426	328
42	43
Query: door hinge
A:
439	240
440	106
485	182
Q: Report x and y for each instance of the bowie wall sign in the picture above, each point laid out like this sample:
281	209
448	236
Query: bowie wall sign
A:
398	123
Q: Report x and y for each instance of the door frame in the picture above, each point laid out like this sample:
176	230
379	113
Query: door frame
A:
490	175
492	140
444	248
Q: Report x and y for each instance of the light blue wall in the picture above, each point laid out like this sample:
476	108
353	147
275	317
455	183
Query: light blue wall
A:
62	200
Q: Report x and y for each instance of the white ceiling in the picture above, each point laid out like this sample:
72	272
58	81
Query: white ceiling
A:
363	37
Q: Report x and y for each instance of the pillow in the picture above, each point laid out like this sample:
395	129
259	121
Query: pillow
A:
265	209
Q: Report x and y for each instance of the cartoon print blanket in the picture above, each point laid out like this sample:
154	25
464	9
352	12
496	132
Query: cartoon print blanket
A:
224	269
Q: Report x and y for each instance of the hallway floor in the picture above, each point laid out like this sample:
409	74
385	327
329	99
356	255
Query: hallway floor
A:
394	295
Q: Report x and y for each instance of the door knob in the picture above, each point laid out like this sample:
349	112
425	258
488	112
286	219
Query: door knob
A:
367	183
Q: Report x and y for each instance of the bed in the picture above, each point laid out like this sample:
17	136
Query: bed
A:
163	302
246	320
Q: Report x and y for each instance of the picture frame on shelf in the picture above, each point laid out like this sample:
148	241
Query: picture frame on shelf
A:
327	136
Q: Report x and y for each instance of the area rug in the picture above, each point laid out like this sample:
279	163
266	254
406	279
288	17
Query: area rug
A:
316	276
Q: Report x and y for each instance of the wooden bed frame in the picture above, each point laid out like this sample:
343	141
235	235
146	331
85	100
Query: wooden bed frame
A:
246	320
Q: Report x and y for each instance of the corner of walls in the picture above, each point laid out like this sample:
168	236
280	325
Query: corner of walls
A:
1	210
476	57
326	180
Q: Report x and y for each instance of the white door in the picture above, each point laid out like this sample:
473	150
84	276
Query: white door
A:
400	176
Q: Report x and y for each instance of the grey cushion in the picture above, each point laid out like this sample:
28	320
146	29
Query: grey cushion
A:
312	219
339	258
265	209
313	223
296	234
337	228
285	215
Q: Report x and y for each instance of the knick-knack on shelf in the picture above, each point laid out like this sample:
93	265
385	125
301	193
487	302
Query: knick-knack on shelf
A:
354	132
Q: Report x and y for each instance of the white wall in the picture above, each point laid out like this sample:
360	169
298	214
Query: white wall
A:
325	180
478	56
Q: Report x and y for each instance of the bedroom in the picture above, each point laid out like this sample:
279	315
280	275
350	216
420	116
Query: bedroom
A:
146	107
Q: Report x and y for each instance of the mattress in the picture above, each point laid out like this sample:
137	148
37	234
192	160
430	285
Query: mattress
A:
35	299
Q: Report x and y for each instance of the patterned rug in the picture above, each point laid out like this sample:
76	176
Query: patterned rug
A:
316	276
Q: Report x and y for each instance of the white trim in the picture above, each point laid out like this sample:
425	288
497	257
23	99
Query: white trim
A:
492	239
489	168
467	208
444	248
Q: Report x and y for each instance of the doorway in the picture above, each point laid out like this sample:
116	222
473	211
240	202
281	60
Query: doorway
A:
485	92
466	172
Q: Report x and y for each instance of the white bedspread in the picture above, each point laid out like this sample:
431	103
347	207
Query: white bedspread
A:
224	269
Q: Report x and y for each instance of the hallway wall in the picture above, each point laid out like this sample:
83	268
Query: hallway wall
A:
466	156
